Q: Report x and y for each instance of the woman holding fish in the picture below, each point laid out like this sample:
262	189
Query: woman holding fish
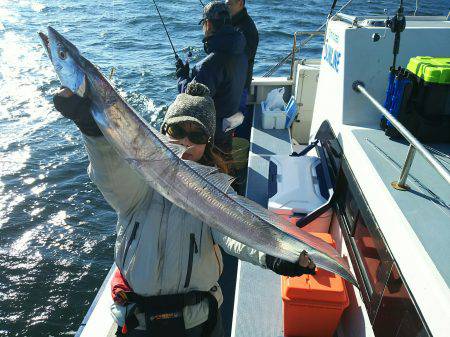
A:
168	261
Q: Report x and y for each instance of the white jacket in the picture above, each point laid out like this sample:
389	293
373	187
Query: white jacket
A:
160	248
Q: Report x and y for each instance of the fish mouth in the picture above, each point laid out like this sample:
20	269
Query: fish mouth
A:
46	43
60	40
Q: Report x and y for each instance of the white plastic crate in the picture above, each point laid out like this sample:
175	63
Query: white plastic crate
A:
272	119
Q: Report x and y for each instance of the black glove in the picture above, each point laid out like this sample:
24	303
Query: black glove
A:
182	69
77	109
286	268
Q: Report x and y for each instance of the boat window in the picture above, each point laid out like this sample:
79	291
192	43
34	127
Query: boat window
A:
397	315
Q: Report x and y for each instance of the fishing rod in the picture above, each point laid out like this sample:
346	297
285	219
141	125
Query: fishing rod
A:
397	25
331	9
201	2
167	33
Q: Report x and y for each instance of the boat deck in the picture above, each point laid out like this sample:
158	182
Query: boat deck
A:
426	205
421	214
256	287
258	303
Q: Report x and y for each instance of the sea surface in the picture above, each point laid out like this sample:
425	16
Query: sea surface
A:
56	231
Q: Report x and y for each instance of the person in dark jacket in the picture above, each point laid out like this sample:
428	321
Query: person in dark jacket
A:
244	23
223	70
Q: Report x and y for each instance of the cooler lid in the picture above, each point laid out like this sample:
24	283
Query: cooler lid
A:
431	69
295	186
322	288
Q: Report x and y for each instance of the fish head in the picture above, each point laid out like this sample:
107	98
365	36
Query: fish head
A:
66	60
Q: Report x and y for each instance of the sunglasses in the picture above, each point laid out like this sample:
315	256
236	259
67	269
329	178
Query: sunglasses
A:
177	132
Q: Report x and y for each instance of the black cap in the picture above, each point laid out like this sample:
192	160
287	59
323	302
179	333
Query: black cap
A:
215	10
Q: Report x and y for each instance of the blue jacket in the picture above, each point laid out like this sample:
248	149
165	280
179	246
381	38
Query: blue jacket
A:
223	71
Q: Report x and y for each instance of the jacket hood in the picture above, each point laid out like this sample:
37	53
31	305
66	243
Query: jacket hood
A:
227	40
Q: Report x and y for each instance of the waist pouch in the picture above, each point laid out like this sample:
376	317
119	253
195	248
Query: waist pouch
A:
164	313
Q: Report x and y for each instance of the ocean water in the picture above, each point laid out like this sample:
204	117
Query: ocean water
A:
56	231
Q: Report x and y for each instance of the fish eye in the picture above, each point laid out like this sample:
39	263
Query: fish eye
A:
62	54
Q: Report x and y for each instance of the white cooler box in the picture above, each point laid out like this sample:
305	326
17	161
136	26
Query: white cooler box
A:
295	190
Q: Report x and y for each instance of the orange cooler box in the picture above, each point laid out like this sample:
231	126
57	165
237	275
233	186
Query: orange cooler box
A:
313	304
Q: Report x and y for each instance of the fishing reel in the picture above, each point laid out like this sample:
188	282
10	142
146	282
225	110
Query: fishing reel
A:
398	23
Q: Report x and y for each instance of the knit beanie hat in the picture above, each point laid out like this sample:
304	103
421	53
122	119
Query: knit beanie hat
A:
195	105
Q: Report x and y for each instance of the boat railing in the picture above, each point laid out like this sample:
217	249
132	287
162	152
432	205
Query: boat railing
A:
311	34
291	55
295	49
414	144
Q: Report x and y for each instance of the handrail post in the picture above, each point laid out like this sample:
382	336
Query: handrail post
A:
401	183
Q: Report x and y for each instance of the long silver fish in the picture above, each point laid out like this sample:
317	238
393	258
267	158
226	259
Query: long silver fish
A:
197	189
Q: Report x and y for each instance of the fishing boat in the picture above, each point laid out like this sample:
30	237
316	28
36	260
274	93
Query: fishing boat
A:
385	201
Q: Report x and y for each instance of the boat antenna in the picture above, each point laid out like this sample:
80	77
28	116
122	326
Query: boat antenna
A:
397	25
167	33
201	2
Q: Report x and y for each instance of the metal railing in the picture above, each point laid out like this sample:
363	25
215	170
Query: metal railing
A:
304	42
414	144
295	49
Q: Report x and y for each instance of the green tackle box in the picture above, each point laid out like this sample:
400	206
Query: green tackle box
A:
425	109
431	69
